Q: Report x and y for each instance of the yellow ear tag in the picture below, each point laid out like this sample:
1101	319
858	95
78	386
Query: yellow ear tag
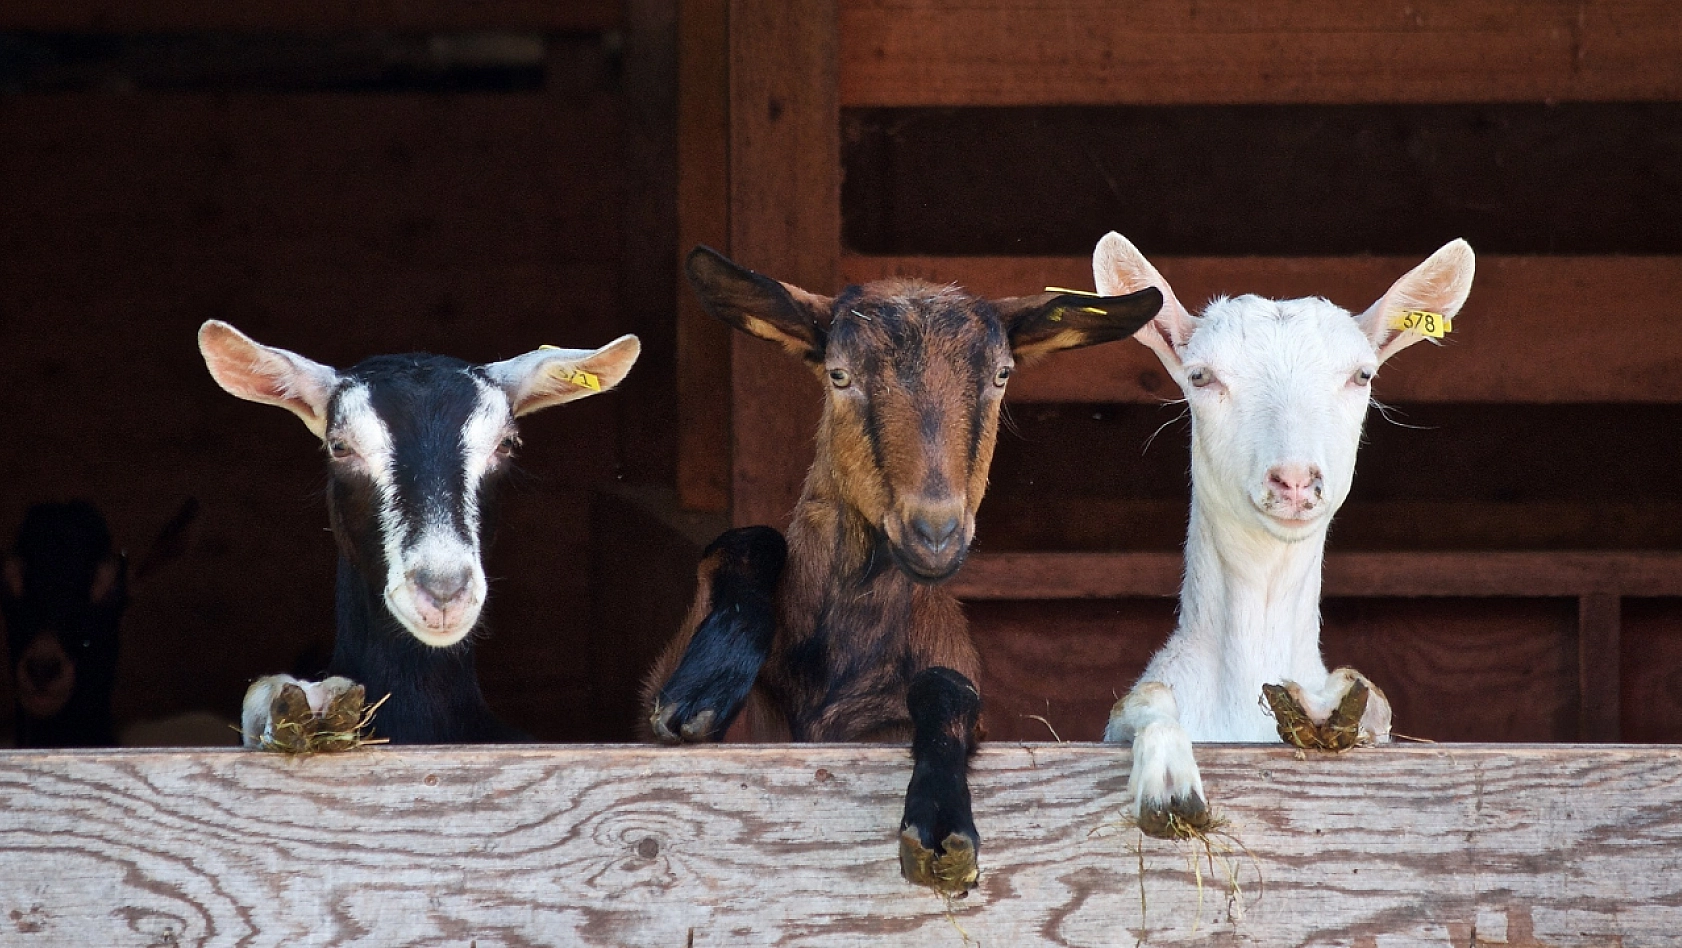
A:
1434	325
580	377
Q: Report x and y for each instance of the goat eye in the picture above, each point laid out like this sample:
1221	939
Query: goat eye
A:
1199	376
1002	376
339	449
840	378
507	445
1362	376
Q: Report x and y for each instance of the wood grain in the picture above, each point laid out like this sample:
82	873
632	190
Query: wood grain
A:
1448	845
1108	575
1536	329
785	221
1001	52
282	15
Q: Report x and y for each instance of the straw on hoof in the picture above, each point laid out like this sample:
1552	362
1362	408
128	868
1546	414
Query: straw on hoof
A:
343	725
1180	819
1339	732
952	871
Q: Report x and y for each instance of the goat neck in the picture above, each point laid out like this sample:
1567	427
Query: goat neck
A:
1250	604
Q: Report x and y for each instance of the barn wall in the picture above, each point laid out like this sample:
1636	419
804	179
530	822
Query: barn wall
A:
340	224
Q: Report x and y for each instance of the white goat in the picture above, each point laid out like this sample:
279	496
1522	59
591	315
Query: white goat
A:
1277	391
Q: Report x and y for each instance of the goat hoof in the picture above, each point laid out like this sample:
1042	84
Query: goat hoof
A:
1176	818
951	869
293	717
1341	728
671	726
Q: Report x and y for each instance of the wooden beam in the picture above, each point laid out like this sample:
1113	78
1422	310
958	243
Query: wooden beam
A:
785	845
703	215
117	16
785	221
1115	575
1154	52
1598	658
1536	329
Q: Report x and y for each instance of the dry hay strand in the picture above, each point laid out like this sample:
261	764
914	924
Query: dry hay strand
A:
952	919
1211	842
345	724
1341	730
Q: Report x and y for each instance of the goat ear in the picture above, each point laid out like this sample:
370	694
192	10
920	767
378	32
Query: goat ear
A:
1048	322
110	580
758	305
1119	267
259	373
1439	285
551	376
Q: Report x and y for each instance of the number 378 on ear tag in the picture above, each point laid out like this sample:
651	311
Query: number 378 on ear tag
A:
1434	325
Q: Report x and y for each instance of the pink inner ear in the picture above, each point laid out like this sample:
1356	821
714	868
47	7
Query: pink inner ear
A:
105	578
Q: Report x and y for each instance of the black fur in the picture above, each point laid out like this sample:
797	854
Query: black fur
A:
59	550
945	709
731	643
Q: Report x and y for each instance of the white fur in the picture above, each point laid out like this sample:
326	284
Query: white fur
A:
1284	396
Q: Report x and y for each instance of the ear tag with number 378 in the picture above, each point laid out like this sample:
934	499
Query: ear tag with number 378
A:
1434	325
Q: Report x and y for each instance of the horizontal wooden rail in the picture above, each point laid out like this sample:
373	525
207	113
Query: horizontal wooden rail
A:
1115	575
1536	329
1154	52
1448	845
118	16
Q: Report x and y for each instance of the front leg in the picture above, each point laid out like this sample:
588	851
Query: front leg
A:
725	640
938	842
1167	789
284	714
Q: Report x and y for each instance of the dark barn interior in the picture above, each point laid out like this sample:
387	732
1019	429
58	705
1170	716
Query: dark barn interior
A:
478	179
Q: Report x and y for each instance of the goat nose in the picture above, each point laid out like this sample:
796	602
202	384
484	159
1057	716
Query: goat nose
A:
935	534
1296	483
42	671
443	586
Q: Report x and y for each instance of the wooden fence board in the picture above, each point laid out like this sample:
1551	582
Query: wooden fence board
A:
1534	329
1003	52
793	845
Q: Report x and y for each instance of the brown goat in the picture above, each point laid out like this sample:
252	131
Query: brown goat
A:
854	641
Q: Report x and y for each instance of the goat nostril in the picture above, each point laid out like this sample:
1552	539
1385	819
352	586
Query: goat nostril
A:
442	586
935	535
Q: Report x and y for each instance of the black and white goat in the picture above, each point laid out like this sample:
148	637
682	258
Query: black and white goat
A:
415	444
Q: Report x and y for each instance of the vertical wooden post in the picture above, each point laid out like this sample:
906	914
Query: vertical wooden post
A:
1598	619
785	220
703	217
